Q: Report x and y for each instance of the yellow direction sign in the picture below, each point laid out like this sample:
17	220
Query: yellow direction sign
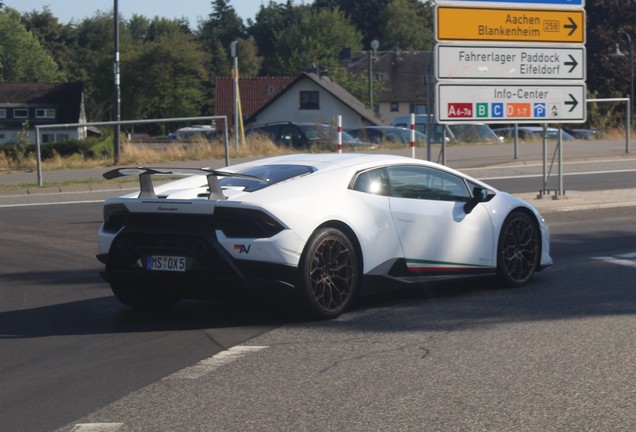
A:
509	25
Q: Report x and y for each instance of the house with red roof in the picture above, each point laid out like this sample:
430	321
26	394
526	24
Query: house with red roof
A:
309	97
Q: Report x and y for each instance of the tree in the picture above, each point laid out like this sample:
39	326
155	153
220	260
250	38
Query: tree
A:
144	29
58	39
357	84
249	62
314	38
224	24
403	28
364	14
161	67
607	21
270	21
165	79
22	58
93	61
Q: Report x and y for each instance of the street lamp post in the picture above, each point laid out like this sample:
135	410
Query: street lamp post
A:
375	44
618	53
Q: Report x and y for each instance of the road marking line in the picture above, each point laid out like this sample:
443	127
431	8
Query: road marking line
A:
210	364
564	174
51	203
79	192
532	165
97	427
617	261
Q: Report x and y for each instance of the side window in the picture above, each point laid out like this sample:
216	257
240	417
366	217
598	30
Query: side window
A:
20	113
426	183
373	182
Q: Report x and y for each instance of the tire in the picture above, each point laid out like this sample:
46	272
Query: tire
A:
143	297
329	274
519	250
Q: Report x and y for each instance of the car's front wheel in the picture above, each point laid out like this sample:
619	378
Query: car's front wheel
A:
329	274
519	249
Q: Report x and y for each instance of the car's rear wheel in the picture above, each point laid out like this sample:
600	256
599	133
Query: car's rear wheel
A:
519	249
143	297
329	274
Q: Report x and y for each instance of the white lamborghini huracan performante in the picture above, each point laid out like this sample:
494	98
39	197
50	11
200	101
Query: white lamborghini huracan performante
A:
317	229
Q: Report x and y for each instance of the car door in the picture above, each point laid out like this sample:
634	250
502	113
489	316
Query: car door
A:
436	234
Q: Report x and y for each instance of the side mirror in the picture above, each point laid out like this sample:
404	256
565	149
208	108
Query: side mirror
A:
480	194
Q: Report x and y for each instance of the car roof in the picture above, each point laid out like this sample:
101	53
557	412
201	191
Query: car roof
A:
277	123
530	128
333	161
378	127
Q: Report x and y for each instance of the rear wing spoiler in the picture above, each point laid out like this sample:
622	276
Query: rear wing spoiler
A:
147	189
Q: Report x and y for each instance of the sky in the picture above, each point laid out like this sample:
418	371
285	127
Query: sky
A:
193	10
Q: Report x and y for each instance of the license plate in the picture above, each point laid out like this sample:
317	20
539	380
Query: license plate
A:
166	263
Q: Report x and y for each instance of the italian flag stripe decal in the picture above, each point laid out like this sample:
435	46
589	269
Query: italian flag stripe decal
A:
441	266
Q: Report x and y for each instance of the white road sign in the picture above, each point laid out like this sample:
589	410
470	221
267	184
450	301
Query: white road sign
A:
517	62
512	102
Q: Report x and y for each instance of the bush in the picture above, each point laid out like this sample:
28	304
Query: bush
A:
87	149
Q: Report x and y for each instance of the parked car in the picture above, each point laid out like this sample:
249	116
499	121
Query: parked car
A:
302	135
472	132
585	134
531	133
317	229
391	134
196	131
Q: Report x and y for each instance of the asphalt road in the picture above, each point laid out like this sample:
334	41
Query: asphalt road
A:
555	355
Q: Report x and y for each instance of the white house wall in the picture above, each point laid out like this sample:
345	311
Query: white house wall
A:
287	108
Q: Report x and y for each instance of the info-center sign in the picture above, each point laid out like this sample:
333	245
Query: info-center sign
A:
510	63
512	102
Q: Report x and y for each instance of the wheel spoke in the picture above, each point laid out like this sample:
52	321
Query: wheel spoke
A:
331	274
520	249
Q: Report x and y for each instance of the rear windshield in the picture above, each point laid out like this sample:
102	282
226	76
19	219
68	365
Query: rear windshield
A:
272	174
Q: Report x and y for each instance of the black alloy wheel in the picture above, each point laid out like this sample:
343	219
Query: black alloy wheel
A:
519	249
329	272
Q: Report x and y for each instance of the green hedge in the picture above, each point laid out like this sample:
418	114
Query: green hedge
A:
88	148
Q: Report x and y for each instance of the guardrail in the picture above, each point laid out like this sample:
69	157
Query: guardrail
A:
123	122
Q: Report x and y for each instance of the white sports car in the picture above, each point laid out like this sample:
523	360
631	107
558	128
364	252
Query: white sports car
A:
316	228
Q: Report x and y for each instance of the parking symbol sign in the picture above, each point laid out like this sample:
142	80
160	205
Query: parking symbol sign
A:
539	109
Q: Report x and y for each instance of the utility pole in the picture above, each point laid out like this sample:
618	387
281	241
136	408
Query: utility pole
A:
374	47
236	93
116	95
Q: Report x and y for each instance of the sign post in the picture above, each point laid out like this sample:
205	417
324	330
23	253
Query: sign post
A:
515	62
519	61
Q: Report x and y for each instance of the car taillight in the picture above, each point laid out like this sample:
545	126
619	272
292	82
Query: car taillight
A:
115	216
246	223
